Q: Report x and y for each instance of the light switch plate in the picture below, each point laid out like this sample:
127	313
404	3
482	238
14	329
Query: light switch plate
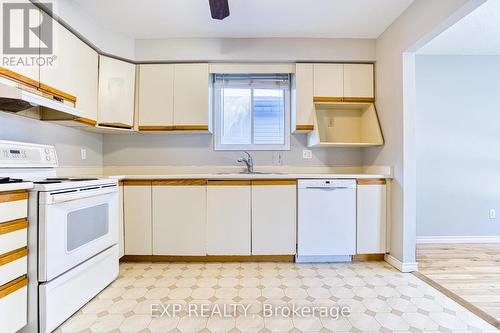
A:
307	154
84	153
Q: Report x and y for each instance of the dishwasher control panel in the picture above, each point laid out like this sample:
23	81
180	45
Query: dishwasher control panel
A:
327	183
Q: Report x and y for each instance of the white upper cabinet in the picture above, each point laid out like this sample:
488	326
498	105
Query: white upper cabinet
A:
156	97
191	101
328	80
30	72
116	93
358	81
303	93
74	72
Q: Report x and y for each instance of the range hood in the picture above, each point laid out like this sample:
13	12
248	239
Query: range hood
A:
15	99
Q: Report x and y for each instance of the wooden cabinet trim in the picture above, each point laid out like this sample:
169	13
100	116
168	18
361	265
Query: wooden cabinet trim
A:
13	255
12	286
137	182
327	99
180	182
19	78
359	99
343	99
304	127
191	128
229	182
11	226
371	181
274	182
156	128
120	182
13	196
57	93
86	121
116	125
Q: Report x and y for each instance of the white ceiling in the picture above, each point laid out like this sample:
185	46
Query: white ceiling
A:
159	19
476	34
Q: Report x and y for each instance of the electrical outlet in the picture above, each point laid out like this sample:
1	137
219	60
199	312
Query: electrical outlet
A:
493	214
307	154
84	153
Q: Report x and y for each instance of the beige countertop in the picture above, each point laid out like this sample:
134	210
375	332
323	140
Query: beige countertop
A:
251	176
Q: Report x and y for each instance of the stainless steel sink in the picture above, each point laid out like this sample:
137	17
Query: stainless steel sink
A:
248	173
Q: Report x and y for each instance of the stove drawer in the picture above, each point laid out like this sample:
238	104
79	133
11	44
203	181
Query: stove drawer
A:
13	235
13	265
14	305
13	205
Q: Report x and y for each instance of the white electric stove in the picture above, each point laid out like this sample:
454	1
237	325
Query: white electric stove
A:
72	233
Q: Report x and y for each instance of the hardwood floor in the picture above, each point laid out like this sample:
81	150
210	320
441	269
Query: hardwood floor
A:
471	271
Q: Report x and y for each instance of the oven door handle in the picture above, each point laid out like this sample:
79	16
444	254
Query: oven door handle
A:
70	196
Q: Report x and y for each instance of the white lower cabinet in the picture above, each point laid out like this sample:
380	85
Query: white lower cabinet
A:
371	217
274	217
179	217
137	217
229	218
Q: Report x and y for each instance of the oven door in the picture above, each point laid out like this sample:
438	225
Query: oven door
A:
73	227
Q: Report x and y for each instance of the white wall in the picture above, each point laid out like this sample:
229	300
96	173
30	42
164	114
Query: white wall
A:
197	150
106	40
68	141
458	140
417	25
256	49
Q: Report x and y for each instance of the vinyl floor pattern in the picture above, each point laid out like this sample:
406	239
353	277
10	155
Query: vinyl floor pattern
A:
380	299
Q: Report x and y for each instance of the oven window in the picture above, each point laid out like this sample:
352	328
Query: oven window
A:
86	225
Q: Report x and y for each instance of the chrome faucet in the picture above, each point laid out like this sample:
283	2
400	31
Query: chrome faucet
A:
248	160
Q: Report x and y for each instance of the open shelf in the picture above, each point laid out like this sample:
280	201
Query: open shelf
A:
341	124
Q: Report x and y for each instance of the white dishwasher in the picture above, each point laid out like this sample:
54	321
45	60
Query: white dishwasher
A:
326	220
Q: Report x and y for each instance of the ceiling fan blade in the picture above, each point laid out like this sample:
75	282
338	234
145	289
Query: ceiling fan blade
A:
219	9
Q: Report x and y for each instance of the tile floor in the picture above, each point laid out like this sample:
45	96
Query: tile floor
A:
379	298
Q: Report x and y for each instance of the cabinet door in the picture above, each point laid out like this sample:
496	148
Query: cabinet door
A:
274	217
156	97
29	72
137	218
228	218
358	80
179	219
328	80
116	93
371	218
191	84
304	107
74	72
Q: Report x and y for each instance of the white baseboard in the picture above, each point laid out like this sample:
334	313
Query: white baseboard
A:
457	239
405	267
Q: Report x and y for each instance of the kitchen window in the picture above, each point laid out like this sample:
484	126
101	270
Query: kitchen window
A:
252	111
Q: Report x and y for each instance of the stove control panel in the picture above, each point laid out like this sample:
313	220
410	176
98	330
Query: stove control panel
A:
26	155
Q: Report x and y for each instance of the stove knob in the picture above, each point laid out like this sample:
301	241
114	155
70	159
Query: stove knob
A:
47	158
47	151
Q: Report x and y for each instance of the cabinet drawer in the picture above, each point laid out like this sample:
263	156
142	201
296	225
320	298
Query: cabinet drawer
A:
13	205
13	265
13	305
13	235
